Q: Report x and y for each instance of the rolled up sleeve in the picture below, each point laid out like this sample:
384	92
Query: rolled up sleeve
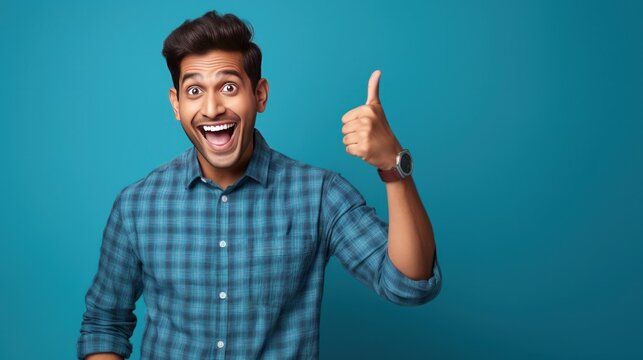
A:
358	238
109	320
405	291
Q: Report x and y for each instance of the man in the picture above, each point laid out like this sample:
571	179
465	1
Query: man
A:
229	241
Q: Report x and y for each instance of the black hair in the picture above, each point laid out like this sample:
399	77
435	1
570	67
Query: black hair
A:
212	32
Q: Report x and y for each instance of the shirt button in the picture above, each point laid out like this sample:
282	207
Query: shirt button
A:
222	295
222	243
220	344
224	198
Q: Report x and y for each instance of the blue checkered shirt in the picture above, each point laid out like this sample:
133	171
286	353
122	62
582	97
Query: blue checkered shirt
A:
235	273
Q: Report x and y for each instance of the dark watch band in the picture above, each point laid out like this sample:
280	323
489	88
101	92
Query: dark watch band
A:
389	175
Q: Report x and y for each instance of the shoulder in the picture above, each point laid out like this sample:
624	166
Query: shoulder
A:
163	178
284	166
330	183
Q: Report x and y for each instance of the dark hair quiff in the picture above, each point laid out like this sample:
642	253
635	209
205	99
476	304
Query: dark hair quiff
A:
212	32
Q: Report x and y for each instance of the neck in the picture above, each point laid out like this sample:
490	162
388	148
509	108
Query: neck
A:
225	177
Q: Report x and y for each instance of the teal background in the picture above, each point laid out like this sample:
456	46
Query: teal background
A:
524	118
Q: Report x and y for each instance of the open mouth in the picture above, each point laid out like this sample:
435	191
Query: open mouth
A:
220	135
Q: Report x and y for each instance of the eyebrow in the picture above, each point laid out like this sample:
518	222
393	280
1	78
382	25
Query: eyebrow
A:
198	76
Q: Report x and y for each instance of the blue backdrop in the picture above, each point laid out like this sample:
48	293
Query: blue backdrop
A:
524	118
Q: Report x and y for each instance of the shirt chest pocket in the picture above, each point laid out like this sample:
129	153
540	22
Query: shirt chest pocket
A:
278	267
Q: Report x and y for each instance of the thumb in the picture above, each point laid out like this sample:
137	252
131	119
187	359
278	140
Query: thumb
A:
374	88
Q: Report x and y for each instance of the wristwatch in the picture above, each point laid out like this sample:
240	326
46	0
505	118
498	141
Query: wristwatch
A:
403	168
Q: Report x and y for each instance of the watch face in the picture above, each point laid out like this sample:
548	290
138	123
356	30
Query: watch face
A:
405	163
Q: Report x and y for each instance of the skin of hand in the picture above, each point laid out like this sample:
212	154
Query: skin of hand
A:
367	133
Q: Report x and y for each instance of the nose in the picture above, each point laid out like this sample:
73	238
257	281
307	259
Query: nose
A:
212	106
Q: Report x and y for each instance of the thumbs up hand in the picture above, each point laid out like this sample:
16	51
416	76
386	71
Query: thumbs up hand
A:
367	133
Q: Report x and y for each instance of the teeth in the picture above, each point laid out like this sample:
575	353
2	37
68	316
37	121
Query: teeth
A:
218	127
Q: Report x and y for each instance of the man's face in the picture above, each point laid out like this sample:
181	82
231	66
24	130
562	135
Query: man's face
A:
217	107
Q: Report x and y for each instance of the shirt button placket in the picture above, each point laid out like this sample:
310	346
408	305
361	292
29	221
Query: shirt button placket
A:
223	231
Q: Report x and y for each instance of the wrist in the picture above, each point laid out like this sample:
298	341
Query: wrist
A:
401	169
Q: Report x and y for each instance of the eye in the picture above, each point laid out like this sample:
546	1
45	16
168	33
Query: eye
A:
193	90
229	88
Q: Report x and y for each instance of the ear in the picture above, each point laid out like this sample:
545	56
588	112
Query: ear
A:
174	101
261	94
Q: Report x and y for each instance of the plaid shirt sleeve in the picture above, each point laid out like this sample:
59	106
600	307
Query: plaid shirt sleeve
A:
359	239
109	321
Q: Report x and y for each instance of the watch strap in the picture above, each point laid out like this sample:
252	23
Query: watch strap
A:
390	175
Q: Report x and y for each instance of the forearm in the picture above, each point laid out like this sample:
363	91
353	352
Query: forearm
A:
104	356
411	245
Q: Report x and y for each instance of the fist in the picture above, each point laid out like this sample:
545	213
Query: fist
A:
367	134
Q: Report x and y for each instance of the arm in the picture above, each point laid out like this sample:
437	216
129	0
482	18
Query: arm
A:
358	238
367	135
109	320
411	245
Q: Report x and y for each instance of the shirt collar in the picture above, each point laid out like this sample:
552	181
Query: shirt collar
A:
257	167
260	160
